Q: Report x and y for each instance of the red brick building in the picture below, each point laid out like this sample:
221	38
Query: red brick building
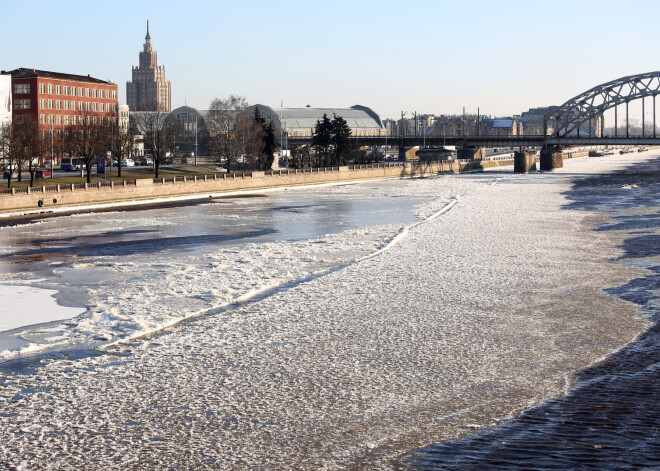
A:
59	101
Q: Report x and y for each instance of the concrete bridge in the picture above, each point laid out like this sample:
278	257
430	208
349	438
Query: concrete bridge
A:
567	121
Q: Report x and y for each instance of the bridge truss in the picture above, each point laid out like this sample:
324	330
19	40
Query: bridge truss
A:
588	107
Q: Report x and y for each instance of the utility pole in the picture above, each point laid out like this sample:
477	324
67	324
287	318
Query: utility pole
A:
416	129
478	123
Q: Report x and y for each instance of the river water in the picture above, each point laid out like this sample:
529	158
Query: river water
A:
611	419
343	327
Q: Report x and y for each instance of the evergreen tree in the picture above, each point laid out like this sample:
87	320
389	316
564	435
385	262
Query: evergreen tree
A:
258	118
341	133
269	145
323	137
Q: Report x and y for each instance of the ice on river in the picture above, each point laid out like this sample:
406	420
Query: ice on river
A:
23	305
134	283
348	360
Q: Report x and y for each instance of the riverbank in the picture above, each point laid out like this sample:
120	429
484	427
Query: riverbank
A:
51	199
476	315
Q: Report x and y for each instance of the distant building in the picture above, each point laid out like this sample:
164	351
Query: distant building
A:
503	127
123	117
390	127
5	99
59	101
300	122
535	122
149	91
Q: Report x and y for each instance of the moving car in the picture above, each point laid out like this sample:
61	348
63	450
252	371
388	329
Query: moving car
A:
69	164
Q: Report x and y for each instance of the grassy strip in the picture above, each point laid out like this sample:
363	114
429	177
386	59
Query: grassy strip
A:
127	173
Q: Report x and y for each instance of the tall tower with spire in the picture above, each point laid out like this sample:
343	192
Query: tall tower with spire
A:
149	91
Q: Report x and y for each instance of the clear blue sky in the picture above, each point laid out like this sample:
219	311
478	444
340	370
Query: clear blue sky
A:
428	56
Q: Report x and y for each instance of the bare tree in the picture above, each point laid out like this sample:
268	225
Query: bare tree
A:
121	143
232	130
10	149
20	146
89	139
158	129
33	145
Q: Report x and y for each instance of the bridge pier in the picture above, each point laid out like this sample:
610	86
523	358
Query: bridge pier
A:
402	151
471	153
524	162
551	158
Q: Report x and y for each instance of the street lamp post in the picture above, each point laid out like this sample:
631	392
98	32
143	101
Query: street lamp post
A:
51	119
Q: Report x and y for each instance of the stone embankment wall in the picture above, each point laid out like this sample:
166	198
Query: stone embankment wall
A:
46	197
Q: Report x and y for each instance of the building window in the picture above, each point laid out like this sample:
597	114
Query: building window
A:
66	104
42	119
95	106
50	119
73	105
50	89
59	119
58	89
22	104
42	88
74	120
73	91
80	91
42	103
67	119
103	107
50	104
88	106
66	90
81	105
58	104
93	92
88	92
21	88
114	94
96	120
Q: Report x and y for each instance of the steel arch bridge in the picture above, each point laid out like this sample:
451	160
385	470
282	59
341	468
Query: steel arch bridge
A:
590	105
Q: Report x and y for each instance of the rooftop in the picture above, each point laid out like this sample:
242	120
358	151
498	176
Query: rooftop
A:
34	73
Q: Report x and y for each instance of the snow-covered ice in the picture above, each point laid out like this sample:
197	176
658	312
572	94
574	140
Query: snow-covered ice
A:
312	354
24	305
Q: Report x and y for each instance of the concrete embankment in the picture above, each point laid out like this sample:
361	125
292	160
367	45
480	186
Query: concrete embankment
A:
45	199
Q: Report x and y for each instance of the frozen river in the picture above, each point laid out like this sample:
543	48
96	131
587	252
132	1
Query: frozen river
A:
132	272
335	327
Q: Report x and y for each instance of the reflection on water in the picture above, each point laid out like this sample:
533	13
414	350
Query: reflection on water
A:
611	419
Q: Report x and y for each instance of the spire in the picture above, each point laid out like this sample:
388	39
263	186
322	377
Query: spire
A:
147	37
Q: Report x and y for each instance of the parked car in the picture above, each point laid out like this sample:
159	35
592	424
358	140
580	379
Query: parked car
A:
7	175
127	163
147	161
42	174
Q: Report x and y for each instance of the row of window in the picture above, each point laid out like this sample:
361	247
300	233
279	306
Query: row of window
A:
75	91
75	105
74	120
